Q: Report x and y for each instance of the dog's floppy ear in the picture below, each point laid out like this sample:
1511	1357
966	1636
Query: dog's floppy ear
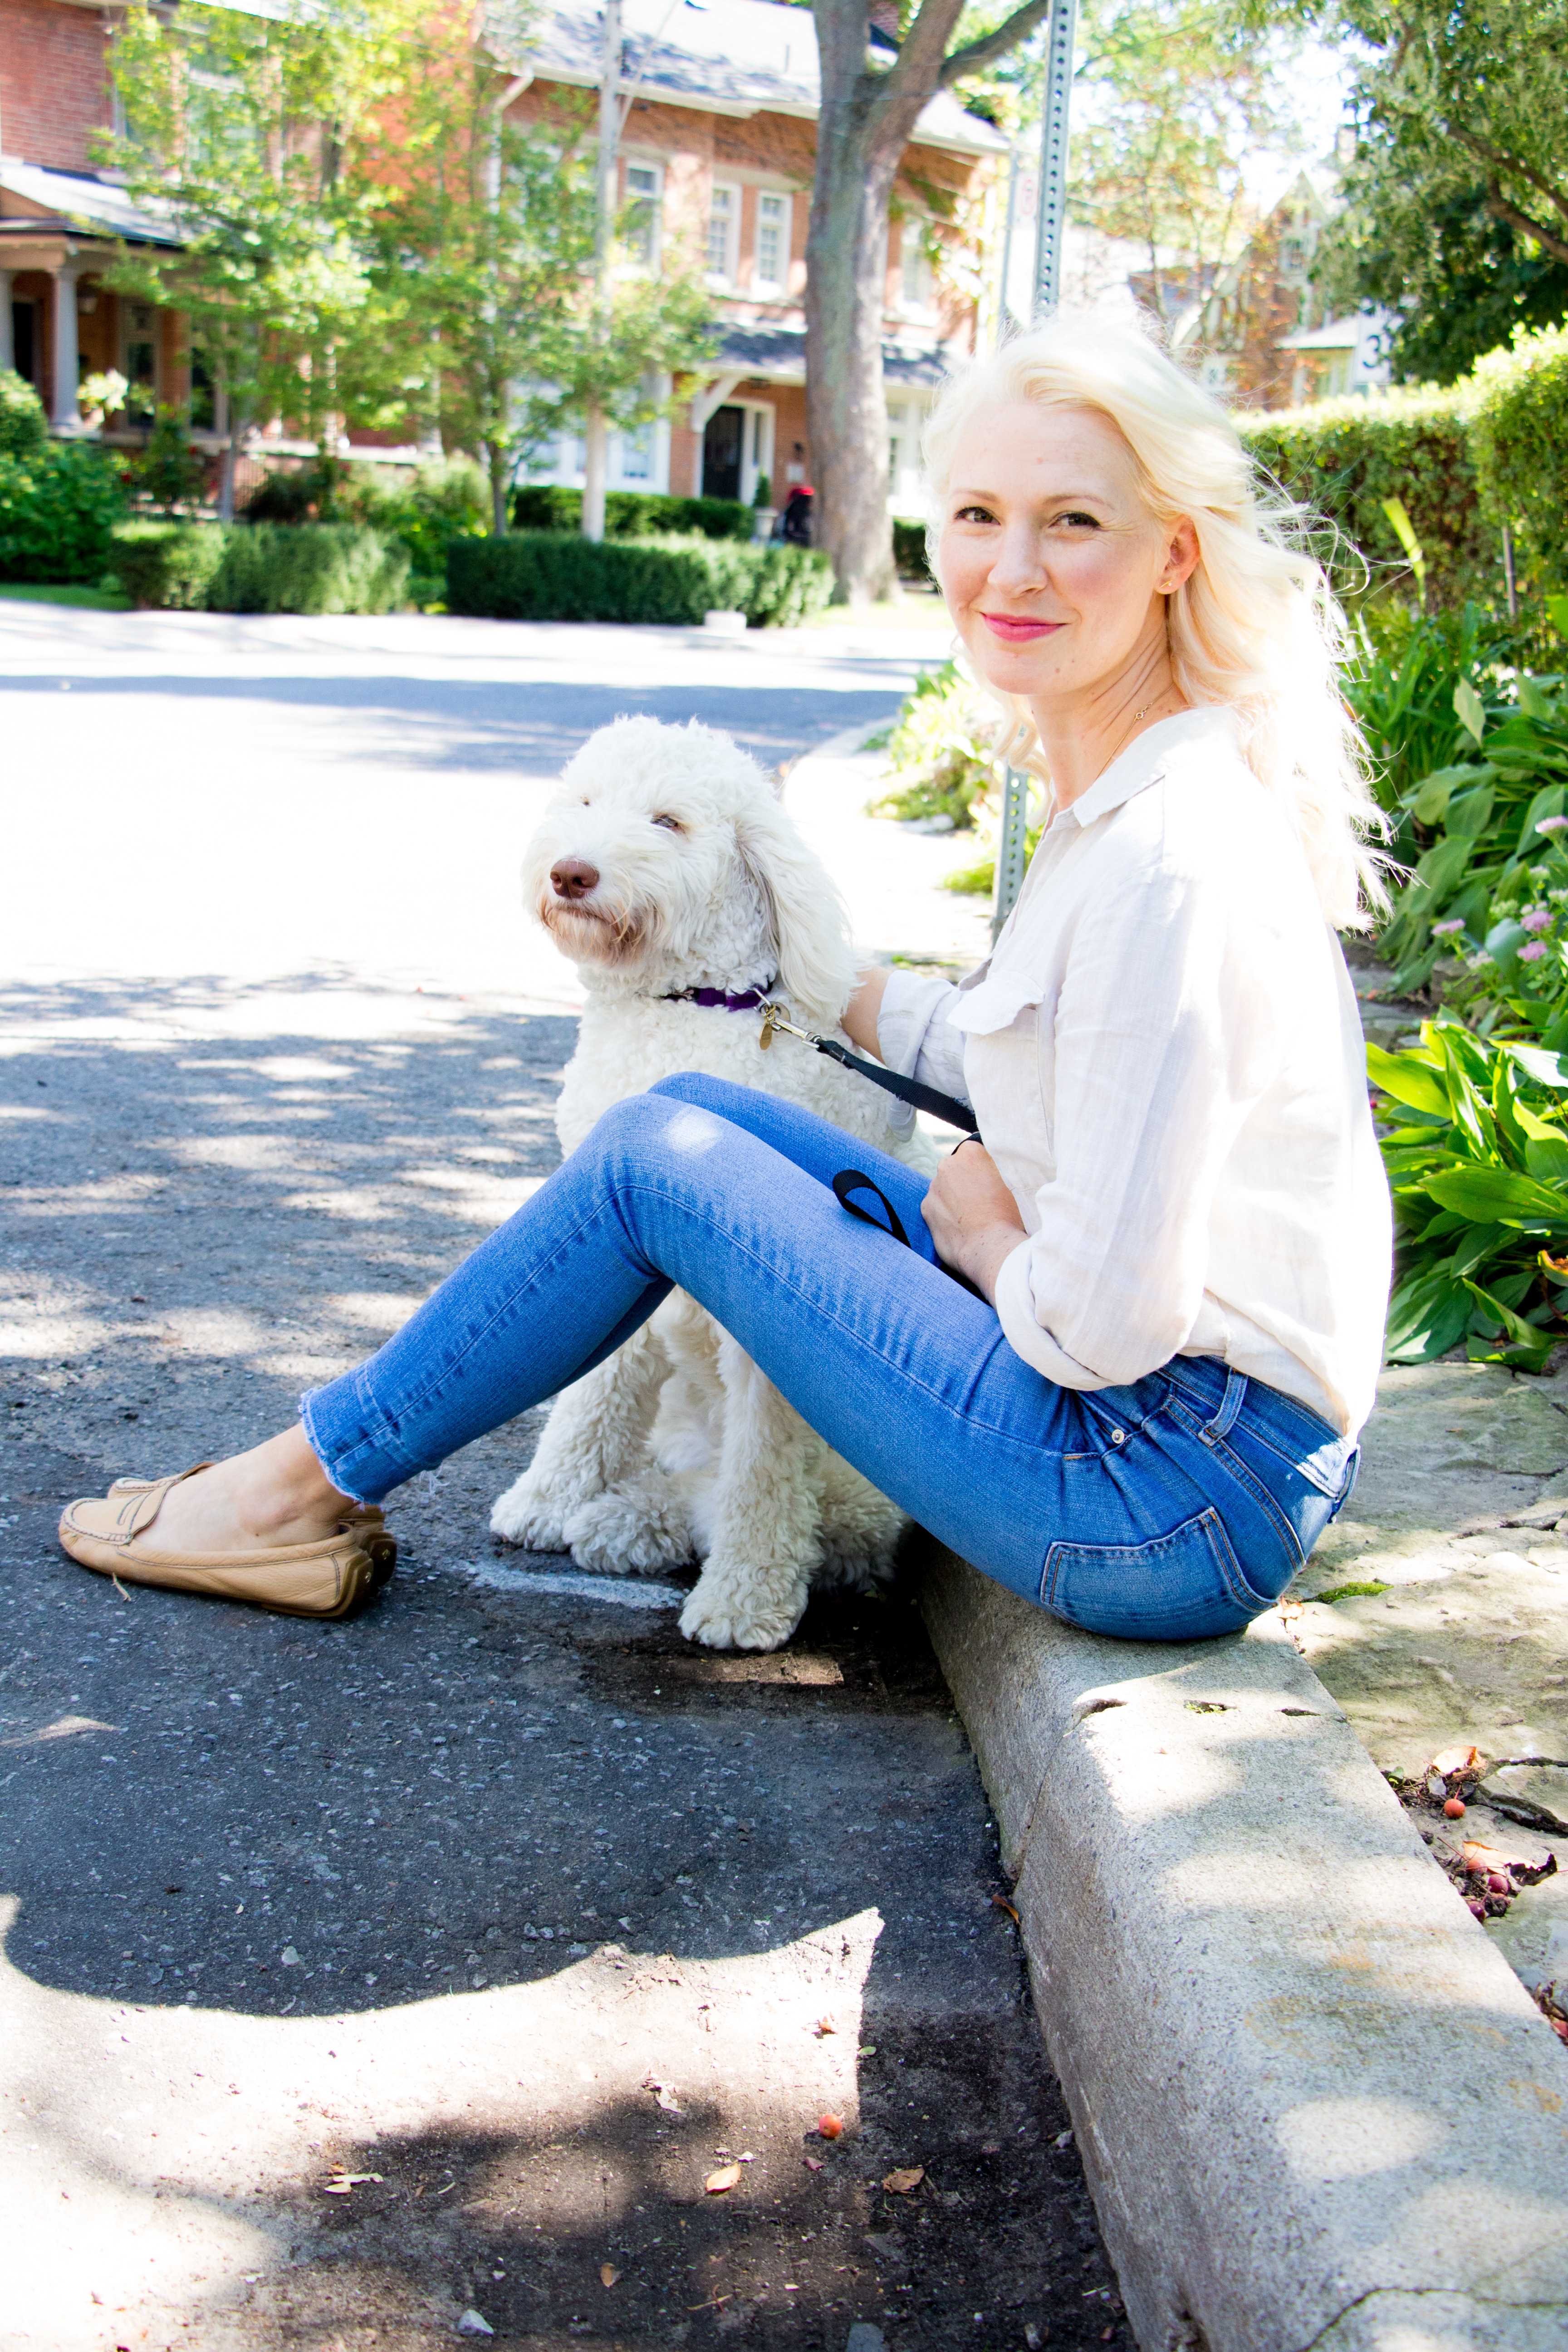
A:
809	920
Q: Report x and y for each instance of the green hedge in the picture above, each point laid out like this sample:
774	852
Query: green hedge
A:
551	576
259	567
1521	440
309	567
58	505
22	424
167	566
1343	457
630	514
910	550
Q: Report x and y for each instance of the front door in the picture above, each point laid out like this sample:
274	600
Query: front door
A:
721	447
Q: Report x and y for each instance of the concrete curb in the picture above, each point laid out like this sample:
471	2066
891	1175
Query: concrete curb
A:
1316	2107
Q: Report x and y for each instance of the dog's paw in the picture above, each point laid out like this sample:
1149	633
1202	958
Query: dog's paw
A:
533	1513
628	1529
727	1611
859	1557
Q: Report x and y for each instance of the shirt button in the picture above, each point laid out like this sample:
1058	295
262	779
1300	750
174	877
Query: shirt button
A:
1118	1436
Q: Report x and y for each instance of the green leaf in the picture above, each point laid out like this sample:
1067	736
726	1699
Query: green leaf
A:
1441	869
1427	1317
1470	813
1408	1080
1534	700
1528	1346
1467	709
1546	1156
1494	1196
1544	1067
1429	801
1557	609
1548	801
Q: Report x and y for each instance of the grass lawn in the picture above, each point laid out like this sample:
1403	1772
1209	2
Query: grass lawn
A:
64	592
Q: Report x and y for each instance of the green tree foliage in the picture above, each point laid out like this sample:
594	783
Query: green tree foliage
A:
246	131
1521	437
1457	199
58	504
1169	98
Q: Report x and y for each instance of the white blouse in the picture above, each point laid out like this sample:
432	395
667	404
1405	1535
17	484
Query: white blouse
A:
1165	1061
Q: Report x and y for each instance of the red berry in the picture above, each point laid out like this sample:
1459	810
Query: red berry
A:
1496	1884
1454	1807
1478	1909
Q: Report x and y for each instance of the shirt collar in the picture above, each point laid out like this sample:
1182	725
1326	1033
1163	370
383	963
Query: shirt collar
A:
1144	762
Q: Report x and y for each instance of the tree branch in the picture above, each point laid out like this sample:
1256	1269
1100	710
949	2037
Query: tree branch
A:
1548	240
1007	35
1497	163
919	61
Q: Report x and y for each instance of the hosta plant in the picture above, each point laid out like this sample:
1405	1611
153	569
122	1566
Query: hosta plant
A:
1475	1140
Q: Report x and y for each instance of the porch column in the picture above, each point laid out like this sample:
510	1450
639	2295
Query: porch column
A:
64	414
8	345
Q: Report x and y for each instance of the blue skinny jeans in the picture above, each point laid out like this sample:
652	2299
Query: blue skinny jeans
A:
1174	1508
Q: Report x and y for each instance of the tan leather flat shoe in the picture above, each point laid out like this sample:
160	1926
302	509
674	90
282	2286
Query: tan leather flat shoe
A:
319	1579
366	1519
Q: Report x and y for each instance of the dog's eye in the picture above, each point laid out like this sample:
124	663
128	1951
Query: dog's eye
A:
670	824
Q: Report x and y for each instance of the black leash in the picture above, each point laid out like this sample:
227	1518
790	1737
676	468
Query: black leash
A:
946	1108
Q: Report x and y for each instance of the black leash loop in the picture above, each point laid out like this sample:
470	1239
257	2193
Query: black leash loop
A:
851	1180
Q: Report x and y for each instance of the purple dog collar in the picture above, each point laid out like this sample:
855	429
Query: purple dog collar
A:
745	1003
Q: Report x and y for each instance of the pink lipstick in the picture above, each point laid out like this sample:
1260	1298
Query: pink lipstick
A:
1016	632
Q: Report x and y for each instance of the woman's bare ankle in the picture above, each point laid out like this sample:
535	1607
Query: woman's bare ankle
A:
277	1494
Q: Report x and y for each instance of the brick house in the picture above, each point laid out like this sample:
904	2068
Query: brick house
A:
60	220
1260	335
720	100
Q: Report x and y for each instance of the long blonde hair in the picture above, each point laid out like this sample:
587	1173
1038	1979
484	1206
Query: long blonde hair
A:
1255	625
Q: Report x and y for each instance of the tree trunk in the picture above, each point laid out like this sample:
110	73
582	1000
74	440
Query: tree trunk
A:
867	118
846	408
595	467
862	129
226	473
495	465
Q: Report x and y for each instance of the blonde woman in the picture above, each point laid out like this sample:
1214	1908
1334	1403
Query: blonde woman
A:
1138	1408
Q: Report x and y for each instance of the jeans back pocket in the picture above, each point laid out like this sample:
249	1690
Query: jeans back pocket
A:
1182	1587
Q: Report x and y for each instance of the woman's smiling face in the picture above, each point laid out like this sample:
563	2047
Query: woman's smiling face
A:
1051	564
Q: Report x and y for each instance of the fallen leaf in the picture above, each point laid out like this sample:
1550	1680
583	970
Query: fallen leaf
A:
341	2182
1520	1869
473	2322
824	2025
608	2274
814	2164
664	2094
727	2177
905	2181
1454	1763
1001	1904
830	2126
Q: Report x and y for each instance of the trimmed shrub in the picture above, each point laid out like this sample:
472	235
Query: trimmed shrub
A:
168	567
910	550
630	514
58	505
1521	440
539	575
1344	457
22	424
309	567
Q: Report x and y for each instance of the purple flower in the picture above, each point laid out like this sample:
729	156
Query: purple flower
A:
1533	952
1535	918
1447	930
1552	825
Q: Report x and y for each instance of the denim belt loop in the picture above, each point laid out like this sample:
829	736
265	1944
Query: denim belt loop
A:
1230	1404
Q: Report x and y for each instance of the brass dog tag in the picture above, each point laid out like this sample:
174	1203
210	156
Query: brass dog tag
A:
766	1039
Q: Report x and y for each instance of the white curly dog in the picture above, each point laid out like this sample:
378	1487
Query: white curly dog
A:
665	864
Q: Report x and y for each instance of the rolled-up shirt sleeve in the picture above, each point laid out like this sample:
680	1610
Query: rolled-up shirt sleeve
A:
914	1035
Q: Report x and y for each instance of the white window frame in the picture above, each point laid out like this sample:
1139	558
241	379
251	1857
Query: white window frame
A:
765	288
757	434
654	198
730	220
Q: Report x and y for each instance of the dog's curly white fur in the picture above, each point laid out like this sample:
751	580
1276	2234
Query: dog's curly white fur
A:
674	867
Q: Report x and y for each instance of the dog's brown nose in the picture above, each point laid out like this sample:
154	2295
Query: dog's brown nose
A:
572	877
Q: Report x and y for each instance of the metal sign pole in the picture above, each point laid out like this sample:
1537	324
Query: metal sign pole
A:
1050	216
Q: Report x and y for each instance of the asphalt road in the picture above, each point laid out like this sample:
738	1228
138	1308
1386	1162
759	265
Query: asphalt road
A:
360	1976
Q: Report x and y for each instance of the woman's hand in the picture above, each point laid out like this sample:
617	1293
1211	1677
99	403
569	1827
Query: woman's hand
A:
973	1216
